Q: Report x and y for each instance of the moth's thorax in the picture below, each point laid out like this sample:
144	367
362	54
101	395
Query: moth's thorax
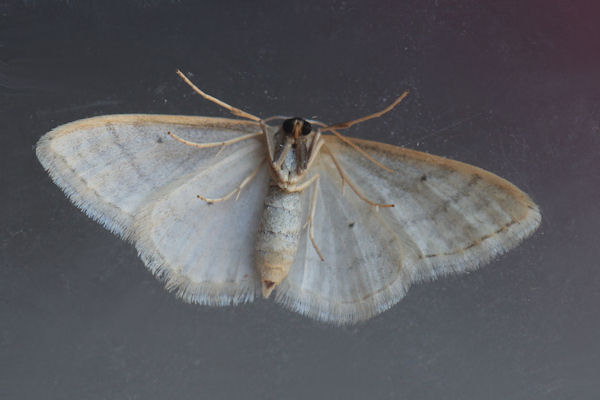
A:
278	236
292	147
288	172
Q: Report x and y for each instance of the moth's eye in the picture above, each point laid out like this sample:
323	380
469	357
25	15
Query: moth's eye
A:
288	125
306	128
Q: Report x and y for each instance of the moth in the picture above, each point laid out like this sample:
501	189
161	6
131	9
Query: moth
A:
226	210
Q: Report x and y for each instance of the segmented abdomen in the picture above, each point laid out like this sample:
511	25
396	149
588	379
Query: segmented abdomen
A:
278	233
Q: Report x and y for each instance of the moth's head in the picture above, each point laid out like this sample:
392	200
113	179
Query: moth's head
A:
296	127
292	144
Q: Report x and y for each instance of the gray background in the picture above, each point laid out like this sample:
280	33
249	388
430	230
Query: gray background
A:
510	86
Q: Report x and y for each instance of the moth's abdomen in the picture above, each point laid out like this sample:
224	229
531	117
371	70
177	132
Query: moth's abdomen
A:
278	235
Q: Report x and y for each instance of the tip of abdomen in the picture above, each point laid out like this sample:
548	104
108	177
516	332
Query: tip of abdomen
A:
267	288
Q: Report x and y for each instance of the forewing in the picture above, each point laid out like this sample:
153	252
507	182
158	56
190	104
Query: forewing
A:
449	217
127	173
110	165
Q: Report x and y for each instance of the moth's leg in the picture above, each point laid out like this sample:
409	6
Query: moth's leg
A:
214	144
300	187
345	179
314	180
361	151
318	142
238	189
233	110
310	220
348	124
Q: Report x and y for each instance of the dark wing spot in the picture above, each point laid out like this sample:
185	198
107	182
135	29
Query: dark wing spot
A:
423	178
351	224
159	140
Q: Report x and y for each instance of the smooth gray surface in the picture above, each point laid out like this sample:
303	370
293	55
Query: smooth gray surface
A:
509	87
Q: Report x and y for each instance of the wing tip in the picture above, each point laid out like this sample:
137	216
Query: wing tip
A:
75	192
493	248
